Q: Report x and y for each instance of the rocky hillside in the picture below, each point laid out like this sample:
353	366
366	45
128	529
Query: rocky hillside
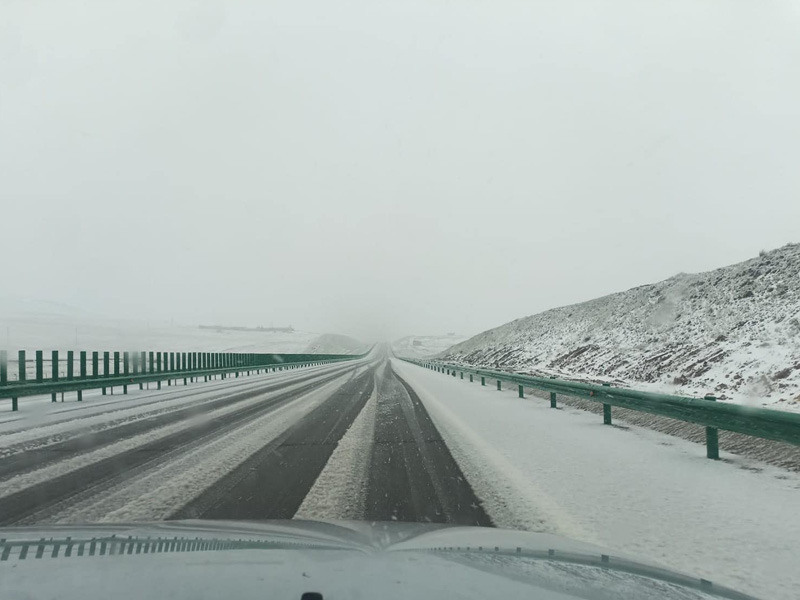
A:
734	332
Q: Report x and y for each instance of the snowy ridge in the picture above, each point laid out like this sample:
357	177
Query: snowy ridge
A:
425	346
734	332
333	343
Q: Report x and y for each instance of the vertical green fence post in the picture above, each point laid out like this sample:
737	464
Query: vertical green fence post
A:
70	364
4	376
483	380
116	364
39	366
553	400
125	370
83	364
470	377
521	391
23	366
95	364
462	374
499	386
106	367
712	436
54	365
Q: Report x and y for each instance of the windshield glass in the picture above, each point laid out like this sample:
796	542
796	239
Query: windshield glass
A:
520	266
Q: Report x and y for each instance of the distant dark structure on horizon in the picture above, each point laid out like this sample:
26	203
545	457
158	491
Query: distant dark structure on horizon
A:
288	329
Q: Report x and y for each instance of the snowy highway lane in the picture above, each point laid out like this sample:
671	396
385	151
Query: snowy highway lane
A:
632	490
381	440
277	445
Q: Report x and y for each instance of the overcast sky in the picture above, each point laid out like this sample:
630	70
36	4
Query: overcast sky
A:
388	168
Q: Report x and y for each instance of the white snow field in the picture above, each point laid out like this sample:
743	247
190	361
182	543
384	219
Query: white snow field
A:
36	325
735	521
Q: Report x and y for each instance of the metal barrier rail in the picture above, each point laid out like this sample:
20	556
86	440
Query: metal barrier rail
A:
121	369
762	423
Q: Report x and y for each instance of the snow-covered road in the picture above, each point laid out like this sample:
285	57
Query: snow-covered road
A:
636	491
381	439
339	441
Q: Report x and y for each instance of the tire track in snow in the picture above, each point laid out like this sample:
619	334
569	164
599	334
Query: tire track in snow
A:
48	486
340	490
413	476
509	497
275	480
90	419
37	453
162	490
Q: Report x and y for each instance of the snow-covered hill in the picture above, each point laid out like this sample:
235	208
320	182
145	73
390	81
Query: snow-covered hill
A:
733	332
334	343
425	346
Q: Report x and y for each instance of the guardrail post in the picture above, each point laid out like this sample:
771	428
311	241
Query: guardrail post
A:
3	367
606	410
39	366
521	391
483	380
143	365
70	364
83	364
95	364
470	377
462	374
712	436
54	365
499	386
553	400
116	364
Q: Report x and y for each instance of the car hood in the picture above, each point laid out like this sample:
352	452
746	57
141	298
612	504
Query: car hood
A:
341	559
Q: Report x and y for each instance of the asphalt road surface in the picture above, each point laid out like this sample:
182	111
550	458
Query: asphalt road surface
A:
345	440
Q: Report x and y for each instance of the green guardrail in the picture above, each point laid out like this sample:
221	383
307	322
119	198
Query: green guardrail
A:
121	369
762	423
